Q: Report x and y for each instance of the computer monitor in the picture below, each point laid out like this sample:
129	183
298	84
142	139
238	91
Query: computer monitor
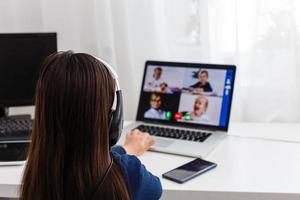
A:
21	55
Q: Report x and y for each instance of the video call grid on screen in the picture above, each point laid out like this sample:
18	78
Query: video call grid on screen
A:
193	94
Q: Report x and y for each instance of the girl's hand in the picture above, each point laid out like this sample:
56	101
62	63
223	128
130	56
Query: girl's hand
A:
137	142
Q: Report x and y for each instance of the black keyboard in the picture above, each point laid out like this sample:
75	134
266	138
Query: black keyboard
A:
15	128
196	136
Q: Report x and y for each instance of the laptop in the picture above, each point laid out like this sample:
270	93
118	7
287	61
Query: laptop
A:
185	107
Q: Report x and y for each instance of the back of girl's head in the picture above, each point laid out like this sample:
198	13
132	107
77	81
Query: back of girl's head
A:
69	151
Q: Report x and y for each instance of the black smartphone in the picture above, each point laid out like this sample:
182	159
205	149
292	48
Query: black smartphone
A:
189	170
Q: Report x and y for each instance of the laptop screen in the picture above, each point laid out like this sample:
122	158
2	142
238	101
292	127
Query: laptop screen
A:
187	94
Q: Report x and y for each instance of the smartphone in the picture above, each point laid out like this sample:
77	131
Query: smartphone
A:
189	170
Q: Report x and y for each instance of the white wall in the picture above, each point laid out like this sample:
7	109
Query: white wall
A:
21	16
74	21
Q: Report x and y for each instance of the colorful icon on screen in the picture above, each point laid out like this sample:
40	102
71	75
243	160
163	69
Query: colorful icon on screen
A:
228	81
168	115
178	116
187	116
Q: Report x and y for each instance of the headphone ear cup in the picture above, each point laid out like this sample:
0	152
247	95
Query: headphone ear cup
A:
116	120
111	115
114	129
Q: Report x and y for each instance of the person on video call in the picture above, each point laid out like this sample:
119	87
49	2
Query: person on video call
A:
156	80
154	112
199	110
202	85
164	88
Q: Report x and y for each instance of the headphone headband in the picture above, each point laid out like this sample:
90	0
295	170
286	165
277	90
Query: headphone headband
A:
112	72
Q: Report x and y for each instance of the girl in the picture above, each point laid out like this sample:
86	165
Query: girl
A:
69	157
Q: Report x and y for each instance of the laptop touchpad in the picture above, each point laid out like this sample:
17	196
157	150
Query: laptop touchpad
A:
162	143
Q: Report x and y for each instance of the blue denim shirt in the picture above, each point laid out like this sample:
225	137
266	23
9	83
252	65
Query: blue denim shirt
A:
141	184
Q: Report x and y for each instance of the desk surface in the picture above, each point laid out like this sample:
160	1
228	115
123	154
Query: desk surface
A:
253	163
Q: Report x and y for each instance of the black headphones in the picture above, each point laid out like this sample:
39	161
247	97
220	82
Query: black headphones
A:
116	114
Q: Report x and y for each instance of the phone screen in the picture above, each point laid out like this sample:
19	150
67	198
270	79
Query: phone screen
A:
189	170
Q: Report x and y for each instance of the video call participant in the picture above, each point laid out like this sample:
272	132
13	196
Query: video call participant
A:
202	85
156	80
199	110
164	88
69	154
154	112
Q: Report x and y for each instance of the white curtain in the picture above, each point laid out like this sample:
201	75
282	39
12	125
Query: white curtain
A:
260	36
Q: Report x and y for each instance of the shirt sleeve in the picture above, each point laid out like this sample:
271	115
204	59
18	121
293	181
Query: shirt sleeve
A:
208	87
144	185
118	149
195	85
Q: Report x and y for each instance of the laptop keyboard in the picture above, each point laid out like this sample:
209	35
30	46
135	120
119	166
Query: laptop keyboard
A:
15	128
196	136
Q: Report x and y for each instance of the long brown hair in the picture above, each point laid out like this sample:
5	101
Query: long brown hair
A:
69	150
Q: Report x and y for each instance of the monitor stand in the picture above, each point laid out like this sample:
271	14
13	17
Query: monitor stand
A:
3	111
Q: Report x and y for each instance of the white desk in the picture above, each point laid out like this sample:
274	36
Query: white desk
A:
247	169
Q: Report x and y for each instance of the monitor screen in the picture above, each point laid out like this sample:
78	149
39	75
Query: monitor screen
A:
185	93
21	56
